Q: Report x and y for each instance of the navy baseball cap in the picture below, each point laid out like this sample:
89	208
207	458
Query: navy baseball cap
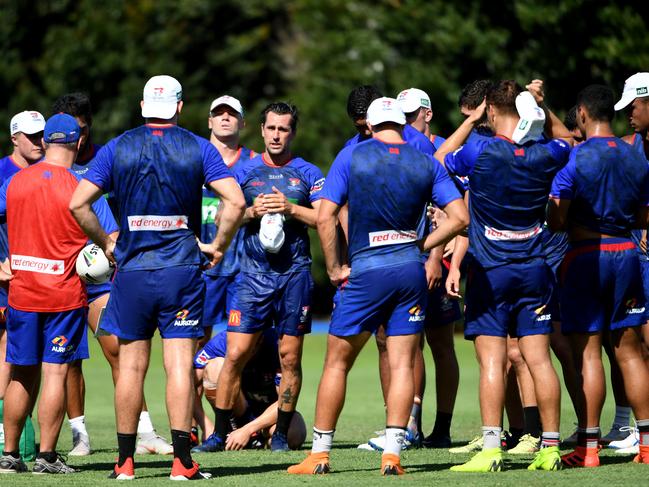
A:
61	129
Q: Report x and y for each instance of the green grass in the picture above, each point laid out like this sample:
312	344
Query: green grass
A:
363	414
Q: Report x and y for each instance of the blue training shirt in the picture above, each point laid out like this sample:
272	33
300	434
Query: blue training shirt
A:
509	193
636	234
230	264
607	180
410	135
301	182
155	173
7	169
386	186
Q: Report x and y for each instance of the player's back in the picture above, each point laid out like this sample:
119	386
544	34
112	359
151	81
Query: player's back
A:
611	182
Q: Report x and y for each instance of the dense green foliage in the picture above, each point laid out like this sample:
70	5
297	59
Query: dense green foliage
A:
311	52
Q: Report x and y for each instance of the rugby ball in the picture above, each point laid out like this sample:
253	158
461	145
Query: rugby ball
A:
93	266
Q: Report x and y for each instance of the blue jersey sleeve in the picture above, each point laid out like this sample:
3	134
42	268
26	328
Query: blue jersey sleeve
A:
101	170
462	161
559	149
105	216
437	141
316	181
563	183
336	187
444	190
213	166
3	200
220	344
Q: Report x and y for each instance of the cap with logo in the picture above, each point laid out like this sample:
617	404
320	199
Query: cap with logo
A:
27	122
384	110
228	101
61	129
161	96
532	123
635	86
412	99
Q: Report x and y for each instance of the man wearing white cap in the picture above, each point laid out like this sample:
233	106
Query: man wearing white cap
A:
156	172
416	105
386	284
26	129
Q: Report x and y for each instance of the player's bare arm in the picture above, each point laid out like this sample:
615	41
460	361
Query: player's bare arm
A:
558	214
554	126
234	206
327	220
457	221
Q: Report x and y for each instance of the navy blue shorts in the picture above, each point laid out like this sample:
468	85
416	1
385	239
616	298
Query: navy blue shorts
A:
442	310
394	296
265	300
509	300
219	291
55	338
97	290
169	299
644	272
601	286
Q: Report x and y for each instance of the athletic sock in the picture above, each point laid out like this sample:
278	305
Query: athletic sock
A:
643	430
222	422
395	438
491	437
283	421
13	454
322	441
516	434
415	415
588	437
145	426
49	456
182	444
622	416
78	426
442	424
126	445
549	438
532	421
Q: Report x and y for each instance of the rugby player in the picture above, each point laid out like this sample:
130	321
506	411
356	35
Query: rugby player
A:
255	407
225	121
78	105
275	285
26	129
508	282
415	103
601	278
387	283
44	335
156	172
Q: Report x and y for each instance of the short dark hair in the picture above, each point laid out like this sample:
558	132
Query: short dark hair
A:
502	95
281	108
599	102
359	100
570	120
75	104
473	93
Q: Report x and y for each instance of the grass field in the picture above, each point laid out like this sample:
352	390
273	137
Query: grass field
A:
363	414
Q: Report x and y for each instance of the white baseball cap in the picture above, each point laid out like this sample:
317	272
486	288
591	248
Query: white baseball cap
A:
532	123
229	101
385	110
161	96
412	99
271	232
27	122
635	86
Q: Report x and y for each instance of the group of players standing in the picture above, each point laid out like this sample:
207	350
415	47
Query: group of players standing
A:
373	219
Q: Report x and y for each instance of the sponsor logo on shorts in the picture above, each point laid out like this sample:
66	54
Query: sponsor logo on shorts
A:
495	234
541	315
36	264
156	223
304	314
416	314
235	317
59	344
181	319
632	307
391	237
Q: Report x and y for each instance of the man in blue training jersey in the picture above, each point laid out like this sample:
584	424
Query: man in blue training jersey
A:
26	129
509	282
599	197
416	105
255	408
156	172
274	287
225	121
386	184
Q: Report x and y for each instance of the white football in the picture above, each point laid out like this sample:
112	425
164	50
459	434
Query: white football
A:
92	265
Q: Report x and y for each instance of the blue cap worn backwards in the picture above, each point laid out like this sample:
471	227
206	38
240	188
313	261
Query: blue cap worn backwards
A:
61	129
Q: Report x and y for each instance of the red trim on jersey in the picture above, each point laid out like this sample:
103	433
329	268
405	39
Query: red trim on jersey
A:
236	159
432	137
13	161
268	163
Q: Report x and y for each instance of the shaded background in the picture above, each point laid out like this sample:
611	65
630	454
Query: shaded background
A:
308	52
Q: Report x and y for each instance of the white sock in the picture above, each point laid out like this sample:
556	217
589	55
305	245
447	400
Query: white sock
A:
78	425
322	441
394	440
491	437
622	416
145	426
